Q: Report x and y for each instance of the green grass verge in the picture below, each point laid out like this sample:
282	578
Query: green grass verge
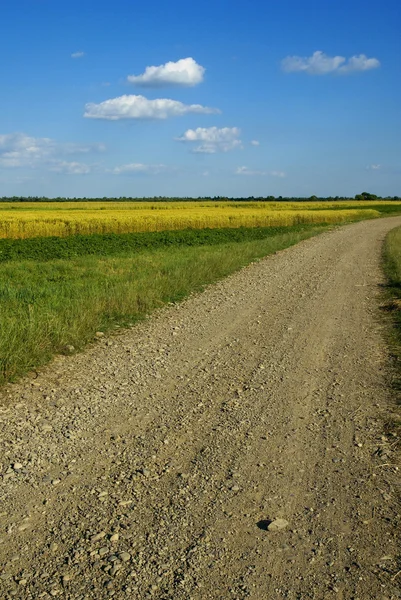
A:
47	304
392	306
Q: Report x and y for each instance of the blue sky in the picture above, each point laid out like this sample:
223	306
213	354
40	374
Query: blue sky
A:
286	98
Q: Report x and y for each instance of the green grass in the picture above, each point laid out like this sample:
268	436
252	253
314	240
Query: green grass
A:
124	244
47	304
392	268
392	260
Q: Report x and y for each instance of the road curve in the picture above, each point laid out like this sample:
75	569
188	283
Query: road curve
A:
151	465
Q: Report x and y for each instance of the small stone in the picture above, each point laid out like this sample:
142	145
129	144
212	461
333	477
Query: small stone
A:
114	537
53	547
22	582
99	334
124	556
56	481
277	525
103	551
235	488
98	536
69	348
113	558
17	466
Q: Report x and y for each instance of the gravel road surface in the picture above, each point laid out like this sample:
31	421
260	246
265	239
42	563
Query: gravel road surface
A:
228	447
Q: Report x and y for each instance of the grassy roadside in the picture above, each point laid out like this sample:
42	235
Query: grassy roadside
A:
392	269
47	305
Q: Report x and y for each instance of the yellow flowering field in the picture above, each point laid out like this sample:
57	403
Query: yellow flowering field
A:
34	219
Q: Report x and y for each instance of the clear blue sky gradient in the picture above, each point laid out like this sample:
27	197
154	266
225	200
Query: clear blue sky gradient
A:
324	132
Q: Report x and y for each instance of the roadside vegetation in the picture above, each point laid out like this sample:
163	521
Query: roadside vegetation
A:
49	305
392	267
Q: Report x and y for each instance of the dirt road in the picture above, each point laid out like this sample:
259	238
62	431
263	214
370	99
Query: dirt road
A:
151	465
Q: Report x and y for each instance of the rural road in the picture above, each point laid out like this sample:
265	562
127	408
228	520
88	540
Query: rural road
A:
150	465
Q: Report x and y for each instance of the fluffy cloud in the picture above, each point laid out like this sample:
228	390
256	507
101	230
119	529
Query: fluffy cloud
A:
374	167
184	72
70	168
18	149
246	171
321	64
21	150
135	168
77	54
212	139
255	143
360	63
139	107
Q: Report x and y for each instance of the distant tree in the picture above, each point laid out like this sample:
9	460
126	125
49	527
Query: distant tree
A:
366	196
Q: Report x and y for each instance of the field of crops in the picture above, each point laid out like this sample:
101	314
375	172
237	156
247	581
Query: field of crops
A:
70	269
27	220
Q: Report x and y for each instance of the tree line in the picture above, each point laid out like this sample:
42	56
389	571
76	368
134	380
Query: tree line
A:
363	196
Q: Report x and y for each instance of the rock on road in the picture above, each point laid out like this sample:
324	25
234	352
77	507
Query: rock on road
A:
228	447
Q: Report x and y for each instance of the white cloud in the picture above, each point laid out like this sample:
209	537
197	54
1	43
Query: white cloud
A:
213	139
321	64
139	107
360	63
373	167
139	168
21	150
250	172
17	149
184	72
79	54
246	171
70	168
255	143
